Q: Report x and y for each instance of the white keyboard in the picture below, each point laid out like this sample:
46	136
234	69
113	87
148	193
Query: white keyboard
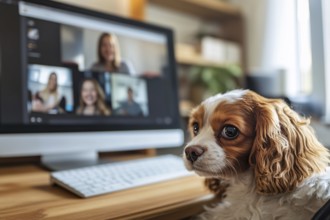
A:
106	178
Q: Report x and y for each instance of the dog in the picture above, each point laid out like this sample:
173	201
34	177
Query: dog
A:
262	158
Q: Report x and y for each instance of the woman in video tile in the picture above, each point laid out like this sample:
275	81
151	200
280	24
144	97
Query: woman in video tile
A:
92	99
109	59
49	99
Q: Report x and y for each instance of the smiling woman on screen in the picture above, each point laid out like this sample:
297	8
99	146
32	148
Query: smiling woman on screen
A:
109	58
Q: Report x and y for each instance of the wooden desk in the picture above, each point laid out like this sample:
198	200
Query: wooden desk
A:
26	193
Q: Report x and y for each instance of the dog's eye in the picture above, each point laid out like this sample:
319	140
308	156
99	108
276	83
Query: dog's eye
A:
229	132
195	128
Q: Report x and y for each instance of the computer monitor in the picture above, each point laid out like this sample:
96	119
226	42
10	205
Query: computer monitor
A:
76	81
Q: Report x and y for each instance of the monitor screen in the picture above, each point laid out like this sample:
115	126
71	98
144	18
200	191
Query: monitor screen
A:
66	69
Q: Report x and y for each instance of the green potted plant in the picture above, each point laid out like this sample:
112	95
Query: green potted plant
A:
208	81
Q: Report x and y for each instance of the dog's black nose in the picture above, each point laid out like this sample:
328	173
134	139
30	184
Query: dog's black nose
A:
193	152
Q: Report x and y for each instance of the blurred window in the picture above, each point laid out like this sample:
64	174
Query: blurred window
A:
303	47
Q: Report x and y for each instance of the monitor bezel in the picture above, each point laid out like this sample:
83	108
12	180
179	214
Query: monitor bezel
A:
44	128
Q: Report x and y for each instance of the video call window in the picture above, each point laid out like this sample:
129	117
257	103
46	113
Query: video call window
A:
92	68
95	96
130	97
50	89
104	51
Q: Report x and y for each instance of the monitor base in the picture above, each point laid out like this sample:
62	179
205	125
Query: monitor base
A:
72	160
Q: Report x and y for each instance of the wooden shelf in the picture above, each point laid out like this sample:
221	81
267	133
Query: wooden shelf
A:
205	9
198	61
187	55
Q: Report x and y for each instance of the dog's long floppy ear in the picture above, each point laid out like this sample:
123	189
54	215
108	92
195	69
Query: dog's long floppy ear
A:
285	150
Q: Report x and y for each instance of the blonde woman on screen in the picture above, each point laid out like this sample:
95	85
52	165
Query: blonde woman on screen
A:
48	99
109	59
92	99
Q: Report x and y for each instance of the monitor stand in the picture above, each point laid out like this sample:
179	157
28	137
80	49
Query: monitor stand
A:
71	160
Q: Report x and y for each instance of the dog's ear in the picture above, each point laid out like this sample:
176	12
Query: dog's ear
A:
285	150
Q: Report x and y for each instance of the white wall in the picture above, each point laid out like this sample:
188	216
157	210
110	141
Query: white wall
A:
326	43
271	38
320	33
254	12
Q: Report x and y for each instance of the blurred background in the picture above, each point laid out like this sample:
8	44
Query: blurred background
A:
278	48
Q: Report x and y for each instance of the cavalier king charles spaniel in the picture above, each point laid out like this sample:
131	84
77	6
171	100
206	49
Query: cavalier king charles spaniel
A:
259	156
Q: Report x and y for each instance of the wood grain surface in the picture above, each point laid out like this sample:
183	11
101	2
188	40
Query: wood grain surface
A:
26	193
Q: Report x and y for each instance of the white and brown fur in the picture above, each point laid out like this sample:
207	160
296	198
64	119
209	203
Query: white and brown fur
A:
274	169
